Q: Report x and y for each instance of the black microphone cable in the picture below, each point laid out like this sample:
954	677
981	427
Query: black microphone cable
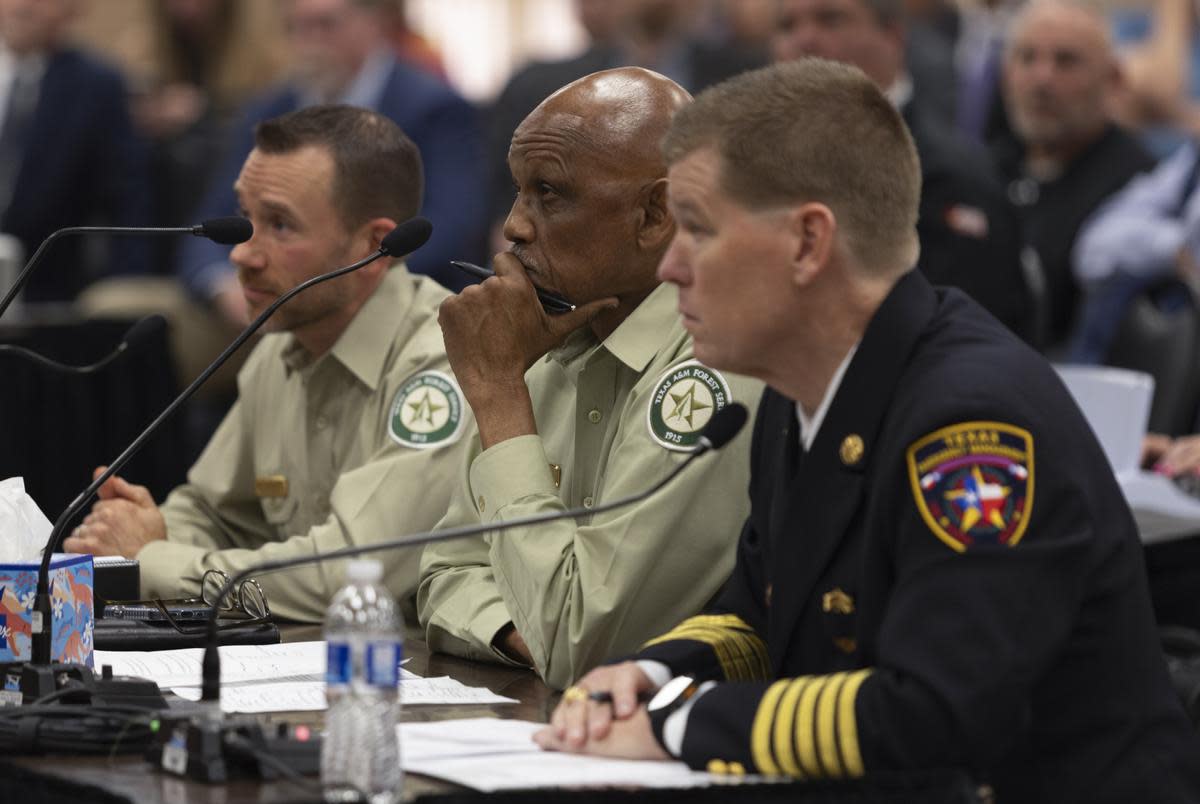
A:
134	336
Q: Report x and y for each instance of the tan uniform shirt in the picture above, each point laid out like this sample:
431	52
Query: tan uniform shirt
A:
579	592
311	457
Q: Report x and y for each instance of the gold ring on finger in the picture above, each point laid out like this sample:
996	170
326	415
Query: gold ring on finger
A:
574	694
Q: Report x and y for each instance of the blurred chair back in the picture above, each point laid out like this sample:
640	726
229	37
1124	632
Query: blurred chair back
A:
55	428
1160	335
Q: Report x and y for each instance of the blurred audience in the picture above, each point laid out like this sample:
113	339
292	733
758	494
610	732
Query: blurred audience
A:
657	34
200	62
1160	52
1064	155
968	230
68	152
1145	234
340	54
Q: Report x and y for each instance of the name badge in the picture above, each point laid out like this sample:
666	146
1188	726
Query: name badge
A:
271	486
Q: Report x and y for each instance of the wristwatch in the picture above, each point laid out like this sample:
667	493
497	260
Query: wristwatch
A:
669	698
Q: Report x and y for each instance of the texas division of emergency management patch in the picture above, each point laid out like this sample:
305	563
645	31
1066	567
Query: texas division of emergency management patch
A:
427	411
684	400
973	483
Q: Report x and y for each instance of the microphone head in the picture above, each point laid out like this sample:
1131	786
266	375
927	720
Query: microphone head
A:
143	329
406	237
228	231
723	426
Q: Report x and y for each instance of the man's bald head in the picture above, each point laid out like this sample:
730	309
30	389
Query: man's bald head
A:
590	219
1059	68
620	115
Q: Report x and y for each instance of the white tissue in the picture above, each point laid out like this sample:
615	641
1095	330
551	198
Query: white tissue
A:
24	529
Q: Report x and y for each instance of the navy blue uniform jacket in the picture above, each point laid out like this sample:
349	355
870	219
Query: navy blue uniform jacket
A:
949	578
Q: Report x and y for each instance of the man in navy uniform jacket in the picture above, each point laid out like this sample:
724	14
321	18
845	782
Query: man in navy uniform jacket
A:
939	569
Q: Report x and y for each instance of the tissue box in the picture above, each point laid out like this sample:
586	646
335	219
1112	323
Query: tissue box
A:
71	584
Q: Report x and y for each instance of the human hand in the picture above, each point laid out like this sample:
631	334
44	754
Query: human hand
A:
1154	446
123	521
1181	457
496	330
629	738
579	721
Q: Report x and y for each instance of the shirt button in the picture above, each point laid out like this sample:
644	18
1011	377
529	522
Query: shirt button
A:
594	416
322	422
481	502
587	502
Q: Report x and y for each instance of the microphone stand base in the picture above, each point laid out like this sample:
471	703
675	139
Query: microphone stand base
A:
219	751
26	682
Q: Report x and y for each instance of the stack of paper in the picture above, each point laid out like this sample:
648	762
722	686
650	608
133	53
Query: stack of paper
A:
489	754
289	677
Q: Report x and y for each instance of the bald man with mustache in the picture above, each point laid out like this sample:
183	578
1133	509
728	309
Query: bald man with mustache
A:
585	407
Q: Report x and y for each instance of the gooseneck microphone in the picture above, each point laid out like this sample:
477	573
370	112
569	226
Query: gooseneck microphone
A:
227	231
141	331
719	431
404	239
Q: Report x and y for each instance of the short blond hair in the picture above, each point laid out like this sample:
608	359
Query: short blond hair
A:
813	130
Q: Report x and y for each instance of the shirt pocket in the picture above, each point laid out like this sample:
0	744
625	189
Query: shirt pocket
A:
279	511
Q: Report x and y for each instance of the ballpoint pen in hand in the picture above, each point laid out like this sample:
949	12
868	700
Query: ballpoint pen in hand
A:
550	302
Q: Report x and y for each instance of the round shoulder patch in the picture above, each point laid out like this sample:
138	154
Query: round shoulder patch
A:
683	401
427	411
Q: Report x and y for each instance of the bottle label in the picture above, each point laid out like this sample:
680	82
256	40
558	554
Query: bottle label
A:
383	664
337	664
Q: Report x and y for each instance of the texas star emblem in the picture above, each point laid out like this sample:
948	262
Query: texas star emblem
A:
685	398
427	411
973	483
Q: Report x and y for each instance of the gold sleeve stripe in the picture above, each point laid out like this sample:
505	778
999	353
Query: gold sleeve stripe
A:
806	727
784	731
847	724
760	731
805	736
740	652
826	738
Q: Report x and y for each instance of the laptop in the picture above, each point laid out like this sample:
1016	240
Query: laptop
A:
1116	402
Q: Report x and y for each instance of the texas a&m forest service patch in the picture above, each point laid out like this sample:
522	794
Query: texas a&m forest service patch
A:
686	397
427	411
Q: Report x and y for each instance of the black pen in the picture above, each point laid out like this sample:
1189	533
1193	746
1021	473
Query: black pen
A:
550	302
604	696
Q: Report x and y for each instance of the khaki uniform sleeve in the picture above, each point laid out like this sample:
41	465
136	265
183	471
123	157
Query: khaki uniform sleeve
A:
399	490
216	508
580	593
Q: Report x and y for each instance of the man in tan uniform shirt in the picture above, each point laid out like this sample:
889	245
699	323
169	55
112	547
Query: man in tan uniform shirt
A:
347	415
610	404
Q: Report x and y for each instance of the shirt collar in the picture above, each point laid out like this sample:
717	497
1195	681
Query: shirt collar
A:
360	348
901	91
636	340
366	88
809	427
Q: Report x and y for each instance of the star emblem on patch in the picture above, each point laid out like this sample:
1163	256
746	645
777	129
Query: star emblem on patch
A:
427	411
683	401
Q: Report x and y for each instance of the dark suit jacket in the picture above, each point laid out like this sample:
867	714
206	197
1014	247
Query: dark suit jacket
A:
83	165
1018	644
444	127
969	232
1052	213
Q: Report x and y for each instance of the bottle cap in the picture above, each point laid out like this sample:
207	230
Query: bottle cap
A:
364	571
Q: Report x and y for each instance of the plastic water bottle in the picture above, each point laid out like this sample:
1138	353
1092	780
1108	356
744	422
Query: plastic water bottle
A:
360	756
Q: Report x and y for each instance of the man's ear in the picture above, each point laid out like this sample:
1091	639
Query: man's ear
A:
814	229
367	241
656	227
